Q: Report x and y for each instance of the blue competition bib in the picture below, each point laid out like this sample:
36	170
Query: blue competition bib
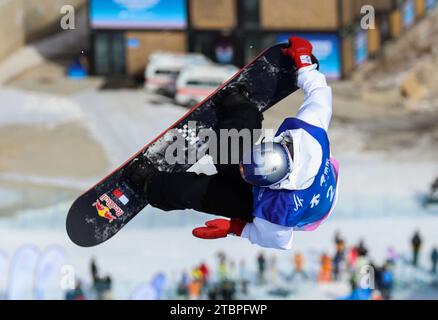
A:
298	208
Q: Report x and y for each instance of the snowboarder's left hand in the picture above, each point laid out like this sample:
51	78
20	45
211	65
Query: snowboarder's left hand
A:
300	50
219	228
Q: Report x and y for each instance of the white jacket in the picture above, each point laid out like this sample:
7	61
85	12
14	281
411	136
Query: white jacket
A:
316	110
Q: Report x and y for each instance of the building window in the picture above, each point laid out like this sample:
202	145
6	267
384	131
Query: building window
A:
250	14
256	43
109	53
218	47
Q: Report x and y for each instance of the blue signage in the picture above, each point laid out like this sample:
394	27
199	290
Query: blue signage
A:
430	5
138	14
326	47
360	47
132	43
409	13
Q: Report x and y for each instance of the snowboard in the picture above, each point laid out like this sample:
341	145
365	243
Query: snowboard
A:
103	210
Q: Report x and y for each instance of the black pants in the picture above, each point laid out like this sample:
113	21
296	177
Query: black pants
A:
224	194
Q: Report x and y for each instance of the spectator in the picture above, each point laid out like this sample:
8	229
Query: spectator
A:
434	259
244	277
222	267
94	270
337	263
205	273
362	251
373	276
194	289
197	274
232	271
273	271
325	274
76	294
213	293
339	255
352	258
392	256
416	246
339	244
182	288
353	281
298	262
386	281
102	288
434	187
228	290
261	264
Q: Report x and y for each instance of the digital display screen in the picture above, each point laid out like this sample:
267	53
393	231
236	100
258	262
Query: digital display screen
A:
138	14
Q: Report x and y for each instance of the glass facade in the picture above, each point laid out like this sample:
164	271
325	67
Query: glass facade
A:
218	46
250	14
109	53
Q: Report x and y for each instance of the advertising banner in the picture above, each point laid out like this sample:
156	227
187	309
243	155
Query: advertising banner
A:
360	47
430	5
327	48
409	13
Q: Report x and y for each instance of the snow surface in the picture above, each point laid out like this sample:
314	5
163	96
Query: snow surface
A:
123	121
9	197
21	107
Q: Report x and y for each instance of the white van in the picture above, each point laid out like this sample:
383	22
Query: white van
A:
195	83
164	67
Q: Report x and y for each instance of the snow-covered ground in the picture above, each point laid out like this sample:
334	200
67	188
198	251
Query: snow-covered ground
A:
143	249
378	200
123	121
20	107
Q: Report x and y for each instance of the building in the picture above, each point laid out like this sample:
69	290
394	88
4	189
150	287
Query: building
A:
24	21
125	32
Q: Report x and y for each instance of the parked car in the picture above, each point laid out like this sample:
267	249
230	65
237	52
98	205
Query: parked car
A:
195	83
164	67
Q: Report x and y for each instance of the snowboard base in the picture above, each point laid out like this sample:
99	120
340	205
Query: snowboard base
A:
107	207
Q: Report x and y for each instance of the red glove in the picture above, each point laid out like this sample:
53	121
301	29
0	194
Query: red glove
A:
300	50
219	228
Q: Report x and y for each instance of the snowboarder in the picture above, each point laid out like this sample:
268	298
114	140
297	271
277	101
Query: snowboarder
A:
288	184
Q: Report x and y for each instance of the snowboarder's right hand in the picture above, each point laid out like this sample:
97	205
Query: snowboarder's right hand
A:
300	50
219	228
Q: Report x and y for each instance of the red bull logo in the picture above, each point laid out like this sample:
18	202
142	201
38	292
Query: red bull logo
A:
104	205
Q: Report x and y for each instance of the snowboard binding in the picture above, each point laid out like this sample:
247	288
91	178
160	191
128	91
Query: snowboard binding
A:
138	174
